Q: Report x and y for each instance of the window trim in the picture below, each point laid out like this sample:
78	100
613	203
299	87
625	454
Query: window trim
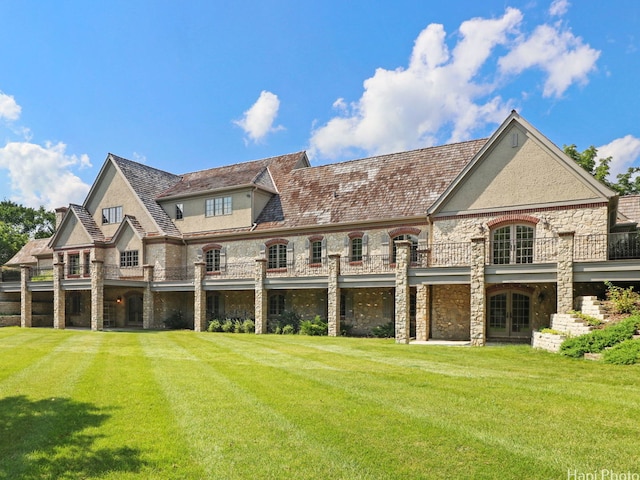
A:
129	259
179	211
113	215
218	206
210	264
73	266
276	309
514	244
280	260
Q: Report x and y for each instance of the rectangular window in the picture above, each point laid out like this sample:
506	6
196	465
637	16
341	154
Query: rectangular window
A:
316	252
217	206
74	264
129	258
87	264
356	250
277	257
111	215
212	260
179	211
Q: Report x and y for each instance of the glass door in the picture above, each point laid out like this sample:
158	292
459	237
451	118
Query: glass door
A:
509	315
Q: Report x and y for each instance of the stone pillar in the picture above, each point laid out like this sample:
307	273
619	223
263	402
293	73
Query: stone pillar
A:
26	312
97	295
148	318
565	272
423	310
261	296
59	312
200	299
333	296
403	299
478	324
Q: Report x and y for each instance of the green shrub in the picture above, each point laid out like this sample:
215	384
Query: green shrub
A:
624	353
176	321
598	340
388	330
228	326
588	319
316	327
288	318
624	300
238	326
214	326
288	330
249	326
552	331
346	329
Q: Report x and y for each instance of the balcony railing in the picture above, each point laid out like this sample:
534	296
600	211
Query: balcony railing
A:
368	264
115	272
41	274
446	255
10	274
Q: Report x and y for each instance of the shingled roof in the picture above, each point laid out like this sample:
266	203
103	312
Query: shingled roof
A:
148	183
27	255
378	188
88	222
254	173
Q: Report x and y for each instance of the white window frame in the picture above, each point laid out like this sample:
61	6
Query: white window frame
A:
111	215
217	206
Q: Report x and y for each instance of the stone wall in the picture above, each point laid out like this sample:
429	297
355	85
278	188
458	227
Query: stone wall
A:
547	341
367	308
450	312
583	221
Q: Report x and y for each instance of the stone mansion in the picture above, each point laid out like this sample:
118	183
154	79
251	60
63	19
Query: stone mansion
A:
478	240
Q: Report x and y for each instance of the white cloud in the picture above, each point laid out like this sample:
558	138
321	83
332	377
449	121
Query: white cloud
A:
42	175
624	152
562	56
445	95
558	8
9	109
257	122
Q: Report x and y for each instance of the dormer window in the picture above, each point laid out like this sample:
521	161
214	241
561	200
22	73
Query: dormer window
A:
111	215
217	206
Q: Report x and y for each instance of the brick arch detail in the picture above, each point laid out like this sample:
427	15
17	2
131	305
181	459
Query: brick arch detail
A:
510	219
515	287
316	238
211	246
353	235
276	241
404	231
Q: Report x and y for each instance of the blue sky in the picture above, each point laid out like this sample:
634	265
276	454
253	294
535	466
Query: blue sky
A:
190	85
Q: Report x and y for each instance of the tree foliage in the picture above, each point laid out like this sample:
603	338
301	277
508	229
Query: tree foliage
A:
627	183
18	224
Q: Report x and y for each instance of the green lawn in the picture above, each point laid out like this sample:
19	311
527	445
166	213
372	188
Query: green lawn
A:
179	404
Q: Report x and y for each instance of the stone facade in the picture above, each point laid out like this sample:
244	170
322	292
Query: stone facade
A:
450	318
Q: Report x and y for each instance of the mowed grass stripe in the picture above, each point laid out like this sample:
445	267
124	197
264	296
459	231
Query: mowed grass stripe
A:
139	436
238	434
524	431
379	406
20	348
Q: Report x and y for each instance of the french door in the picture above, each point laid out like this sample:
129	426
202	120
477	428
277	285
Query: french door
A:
512	244
134	310
509	315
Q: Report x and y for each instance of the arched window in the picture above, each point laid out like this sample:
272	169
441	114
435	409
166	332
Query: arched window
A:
277	256
414	246
512	244
276	304
357	246
212	260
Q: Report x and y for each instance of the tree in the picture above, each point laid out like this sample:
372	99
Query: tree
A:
18	224
628	183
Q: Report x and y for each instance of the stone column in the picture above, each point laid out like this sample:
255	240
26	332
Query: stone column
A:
333	296
423	310
26	297
97	295
148	317
261	296
565	272
403	300
200	299
58	296
478	324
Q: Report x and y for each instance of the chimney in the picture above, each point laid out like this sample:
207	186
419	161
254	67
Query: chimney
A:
60	213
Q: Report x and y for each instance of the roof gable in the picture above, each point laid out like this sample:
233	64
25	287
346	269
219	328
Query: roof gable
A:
518	167
77	228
